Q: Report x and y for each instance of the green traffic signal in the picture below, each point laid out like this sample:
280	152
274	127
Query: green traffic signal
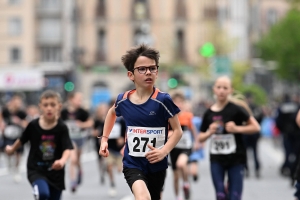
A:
207	50
172	83
69	86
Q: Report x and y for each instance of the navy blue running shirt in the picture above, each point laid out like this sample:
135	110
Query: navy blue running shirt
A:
146	123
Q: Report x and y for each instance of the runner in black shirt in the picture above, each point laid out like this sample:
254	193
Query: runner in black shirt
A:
297	173
15	122
224	123
100	115
50	146
78	121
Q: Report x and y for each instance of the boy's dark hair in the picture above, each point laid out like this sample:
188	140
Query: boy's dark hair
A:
132	55
178	95
50	94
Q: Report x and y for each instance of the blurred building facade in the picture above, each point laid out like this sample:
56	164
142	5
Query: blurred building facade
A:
55	37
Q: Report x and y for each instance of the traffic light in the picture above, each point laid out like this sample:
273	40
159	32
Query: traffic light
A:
207	50
69	86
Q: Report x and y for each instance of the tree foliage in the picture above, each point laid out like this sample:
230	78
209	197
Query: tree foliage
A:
282	44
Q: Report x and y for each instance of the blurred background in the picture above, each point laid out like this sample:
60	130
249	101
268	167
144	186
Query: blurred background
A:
77	45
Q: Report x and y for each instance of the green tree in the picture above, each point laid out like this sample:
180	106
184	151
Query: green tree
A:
282	44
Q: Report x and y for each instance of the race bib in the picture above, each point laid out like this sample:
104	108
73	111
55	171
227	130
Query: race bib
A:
223	144
12	132
139	137
115	132
186	140
74	129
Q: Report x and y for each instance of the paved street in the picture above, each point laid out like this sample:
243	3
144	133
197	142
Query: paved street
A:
270	187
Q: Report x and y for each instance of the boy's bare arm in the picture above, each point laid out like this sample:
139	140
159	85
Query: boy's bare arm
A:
11	149
108	125
176	135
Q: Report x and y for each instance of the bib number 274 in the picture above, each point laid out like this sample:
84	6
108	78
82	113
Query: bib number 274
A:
138	140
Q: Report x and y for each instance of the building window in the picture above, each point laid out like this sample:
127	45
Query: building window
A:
50	30
15	26
101	9
50	54
255	18
49	3
142	35
15	55
210	13
272	17
180	13
180	45
140	10
222	16
14	2
101	46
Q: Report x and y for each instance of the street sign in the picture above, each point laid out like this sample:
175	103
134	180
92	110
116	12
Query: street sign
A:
220	66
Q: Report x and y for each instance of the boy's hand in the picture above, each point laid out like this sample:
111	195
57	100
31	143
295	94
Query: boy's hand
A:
9	150
103	151
57	165
155	155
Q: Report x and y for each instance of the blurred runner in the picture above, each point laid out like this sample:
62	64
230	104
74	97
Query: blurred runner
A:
78	121
297	171
224	123
251	140
197	153
115	144
181	152
285	122
100	115
15	122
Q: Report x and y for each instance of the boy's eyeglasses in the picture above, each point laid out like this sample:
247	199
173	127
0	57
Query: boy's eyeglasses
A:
143	70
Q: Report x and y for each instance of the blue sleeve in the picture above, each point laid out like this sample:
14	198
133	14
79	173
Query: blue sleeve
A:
117	108
170	108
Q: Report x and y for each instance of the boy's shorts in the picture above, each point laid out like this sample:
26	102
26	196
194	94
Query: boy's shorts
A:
78	142
174	154
154	181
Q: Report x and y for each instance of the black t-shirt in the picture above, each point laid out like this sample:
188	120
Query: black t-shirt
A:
70	119
12	130
119	130
231	112
286	118
46	147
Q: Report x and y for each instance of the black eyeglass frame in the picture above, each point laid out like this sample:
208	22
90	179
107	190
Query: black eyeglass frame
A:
147	68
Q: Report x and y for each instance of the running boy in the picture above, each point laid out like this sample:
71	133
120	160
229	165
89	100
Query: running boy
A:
181	152
50	147
147	113
225	122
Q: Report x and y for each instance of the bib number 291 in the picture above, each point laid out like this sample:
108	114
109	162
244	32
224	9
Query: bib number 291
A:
137	141
221	145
